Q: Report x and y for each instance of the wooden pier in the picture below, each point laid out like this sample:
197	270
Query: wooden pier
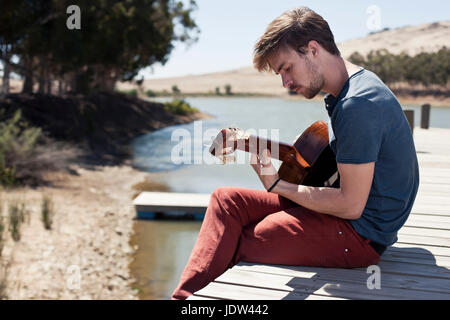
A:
416	267
169	205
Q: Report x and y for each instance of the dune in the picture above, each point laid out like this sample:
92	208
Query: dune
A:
428	37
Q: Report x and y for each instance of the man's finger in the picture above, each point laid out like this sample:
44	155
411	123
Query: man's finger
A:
265	157
254	162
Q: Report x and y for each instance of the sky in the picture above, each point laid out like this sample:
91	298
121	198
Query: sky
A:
229	29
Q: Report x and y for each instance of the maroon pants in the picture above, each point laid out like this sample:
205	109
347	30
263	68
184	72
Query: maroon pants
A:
258	226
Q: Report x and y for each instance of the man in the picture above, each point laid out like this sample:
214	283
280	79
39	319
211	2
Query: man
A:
349	226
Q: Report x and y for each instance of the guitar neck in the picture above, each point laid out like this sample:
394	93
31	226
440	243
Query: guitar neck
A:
254	144
278	150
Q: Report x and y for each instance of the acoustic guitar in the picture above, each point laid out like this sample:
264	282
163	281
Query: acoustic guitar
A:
309	161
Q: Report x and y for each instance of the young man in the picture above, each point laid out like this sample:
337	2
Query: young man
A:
349	226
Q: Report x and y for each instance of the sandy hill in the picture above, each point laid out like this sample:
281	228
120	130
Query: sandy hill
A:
411	39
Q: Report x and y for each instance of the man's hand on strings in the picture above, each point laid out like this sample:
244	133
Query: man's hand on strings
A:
264	168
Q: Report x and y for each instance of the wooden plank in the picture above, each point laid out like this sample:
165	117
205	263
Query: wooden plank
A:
430	210
434	172
415	253
414	269
408	230
319	286
428	225
420	249
432	200
433	189
435	261
358	275
443	177
436	202
428	217
433	241
238	292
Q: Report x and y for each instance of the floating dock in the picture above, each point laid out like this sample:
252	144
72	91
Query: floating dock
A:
170	205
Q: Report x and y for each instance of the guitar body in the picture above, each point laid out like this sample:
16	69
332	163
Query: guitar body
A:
313	146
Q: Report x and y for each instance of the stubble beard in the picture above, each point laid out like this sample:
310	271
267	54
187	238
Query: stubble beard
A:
317	82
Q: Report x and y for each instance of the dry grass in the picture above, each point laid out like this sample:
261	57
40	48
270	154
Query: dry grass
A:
2	226
18	214
3	280
47	212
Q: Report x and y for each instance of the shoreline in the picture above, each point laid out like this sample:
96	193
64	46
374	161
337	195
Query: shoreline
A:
409	100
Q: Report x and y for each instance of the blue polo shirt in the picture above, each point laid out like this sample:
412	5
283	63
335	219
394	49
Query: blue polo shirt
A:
368	125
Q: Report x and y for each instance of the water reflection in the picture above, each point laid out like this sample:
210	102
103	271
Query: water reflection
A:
164	248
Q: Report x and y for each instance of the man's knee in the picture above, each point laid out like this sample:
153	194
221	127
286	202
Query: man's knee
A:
228	196
229	201
222	192
222	201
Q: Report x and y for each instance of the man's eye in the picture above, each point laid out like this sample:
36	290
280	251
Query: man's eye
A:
287	69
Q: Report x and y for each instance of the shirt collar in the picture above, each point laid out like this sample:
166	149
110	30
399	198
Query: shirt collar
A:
331	101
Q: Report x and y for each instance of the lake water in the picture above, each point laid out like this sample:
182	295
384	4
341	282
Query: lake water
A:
177	156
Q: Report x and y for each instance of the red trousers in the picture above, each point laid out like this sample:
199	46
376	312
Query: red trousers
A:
257	226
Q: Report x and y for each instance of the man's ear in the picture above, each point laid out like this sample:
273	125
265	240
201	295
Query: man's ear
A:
313	47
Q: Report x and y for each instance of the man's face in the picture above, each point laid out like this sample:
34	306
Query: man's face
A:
298	72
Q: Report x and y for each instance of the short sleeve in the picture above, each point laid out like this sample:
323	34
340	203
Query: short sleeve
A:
358	129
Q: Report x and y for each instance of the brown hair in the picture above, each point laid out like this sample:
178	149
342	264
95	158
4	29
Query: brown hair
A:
294	28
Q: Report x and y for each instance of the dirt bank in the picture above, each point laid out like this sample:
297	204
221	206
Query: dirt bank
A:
86	253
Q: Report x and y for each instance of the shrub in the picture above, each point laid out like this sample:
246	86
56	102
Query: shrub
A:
17	141
47	212
150	93
2	229
4	279
179	107
2	226
131	92
17	214
25	152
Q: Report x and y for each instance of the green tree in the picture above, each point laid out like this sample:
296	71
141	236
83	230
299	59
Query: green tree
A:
426	68
357	59
228	90
116	40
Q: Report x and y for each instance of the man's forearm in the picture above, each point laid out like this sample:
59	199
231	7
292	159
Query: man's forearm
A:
321	199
